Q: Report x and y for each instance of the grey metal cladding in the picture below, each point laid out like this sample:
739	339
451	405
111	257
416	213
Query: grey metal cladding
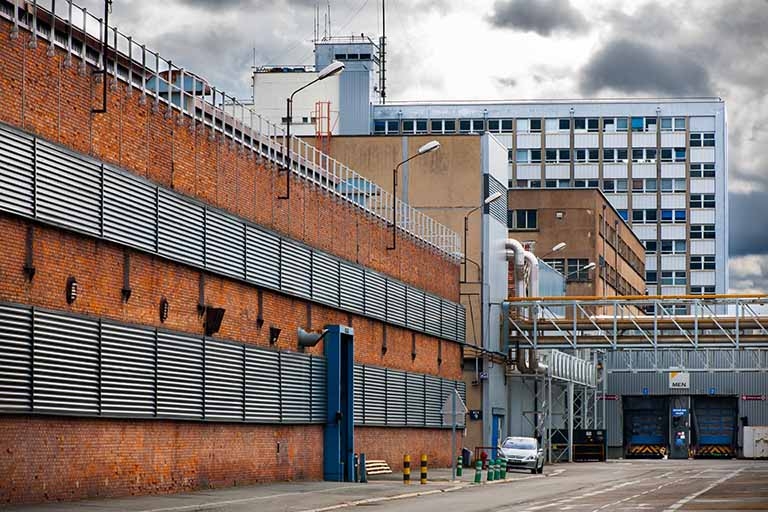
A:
224	244
395	302
325	279
352	287
448	328
295	380
318	390
396	397
295	276
130	210
614	421
15	358
375	295
127	370
180	229
68	189
262	385
432	315
461	322
17	172
415	401
414	300
433	401
375	396
359	377
179	375
224	377
66	364
262	257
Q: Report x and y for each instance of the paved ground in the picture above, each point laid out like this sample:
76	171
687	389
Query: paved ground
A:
663	485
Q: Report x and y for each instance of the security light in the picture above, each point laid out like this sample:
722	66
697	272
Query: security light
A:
334	68
491	198
429	146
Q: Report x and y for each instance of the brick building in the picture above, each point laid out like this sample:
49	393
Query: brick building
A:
153	281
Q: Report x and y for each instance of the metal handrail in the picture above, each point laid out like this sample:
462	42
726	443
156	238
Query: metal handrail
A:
79	33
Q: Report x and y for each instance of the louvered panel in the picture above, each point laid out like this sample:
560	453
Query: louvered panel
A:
16	172
294	386
432	314
460	323
180	229
352	287
375	295
448	327
127	370
66	364
130	210
223	381
415	400
262	385
433	401
68	189
224	244
414	308
375	396
262	258
395	302
319	390
295	269
15	359
359	394
396	398
325	279
179	376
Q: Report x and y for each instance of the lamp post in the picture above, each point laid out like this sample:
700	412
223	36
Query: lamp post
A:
557	248
588	266
430	146
334	68
488	200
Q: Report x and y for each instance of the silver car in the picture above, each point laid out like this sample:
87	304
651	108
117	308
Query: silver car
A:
522	453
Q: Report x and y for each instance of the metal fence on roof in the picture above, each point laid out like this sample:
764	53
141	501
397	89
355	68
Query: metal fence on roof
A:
80	34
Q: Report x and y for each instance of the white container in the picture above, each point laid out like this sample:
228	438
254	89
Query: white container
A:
755	442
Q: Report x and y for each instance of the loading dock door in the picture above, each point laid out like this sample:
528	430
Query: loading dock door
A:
714	425
646	426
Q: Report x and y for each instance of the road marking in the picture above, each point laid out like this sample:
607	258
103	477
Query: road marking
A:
665	484
708	488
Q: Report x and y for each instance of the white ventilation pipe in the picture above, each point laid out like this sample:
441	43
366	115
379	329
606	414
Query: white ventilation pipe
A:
533	277
517	254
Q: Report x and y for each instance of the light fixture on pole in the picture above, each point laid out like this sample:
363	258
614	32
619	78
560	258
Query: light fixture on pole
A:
557	248
488	200
430	146
334	68
588	266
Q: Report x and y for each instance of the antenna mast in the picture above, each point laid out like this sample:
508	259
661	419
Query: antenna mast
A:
383	55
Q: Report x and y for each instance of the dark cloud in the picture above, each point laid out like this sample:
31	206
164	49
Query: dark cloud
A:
632	67
541	16
748	234
505	81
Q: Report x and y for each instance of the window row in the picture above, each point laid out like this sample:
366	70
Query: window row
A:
667	246
522	219
572	268
698	140
702	263
702	201
611	235
616	280
652	216
702	290
669	185
703	231
668	277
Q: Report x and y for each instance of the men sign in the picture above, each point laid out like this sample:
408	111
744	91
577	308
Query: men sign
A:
679	380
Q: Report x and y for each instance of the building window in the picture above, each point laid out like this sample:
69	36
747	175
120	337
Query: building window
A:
593	124
615	155
702	200
702	140
673	185
673	247
534	125
702	290
669	124
672	216
702	170
555	156
644	155
651	277
702	231
624	214
500	125
557	264
575	270
564	124
615	186
416	126
471	126
637	124
522	219
702	263
586	183
673	278
650	245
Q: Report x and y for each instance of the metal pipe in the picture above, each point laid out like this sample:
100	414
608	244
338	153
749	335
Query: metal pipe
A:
518	251
533	278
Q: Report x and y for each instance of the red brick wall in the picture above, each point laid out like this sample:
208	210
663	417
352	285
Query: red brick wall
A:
392	444
98	268
46	458
39	94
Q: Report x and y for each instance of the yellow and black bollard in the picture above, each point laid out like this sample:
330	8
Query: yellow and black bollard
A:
423	469
407	469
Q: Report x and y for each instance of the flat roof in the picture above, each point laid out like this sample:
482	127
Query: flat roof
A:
626	99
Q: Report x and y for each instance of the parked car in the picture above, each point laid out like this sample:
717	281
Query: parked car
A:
522	453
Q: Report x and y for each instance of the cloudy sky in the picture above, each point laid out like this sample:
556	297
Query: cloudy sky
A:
513	49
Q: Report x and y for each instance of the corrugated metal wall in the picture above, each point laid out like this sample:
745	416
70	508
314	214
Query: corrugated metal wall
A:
51	184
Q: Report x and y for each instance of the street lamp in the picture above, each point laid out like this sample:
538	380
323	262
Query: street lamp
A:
588	266
557	248
488	200
430	146
334	68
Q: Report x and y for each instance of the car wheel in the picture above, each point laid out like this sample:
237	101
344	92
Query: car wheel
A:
541	469
534	471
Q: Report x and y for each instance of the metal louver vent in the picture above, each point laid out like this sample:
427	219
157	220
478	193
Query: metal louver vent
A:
375	295
130	211
352	287
415	308
224	244
15	358
179	376
395	302
17	181
325	279
180	229
294	387
127	370
396	397
263	258
223	381
295	269
262	385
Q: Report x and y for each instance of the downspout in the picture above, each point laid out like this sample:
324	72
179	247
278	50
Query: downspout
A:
533	279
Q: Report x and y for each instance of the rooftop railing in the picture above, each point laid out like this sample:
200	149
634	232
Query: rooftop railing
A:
74	29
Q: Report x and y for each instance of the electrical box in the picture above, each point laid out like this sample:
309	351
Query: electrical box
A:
755	442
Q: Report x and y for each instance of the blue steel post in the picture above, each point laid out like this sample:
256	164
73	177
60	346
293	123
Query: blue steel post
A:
338	435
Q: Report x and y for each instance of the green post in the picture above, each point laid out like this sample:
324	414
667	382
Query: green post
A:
503	469
490	471
497	469
459	465
478	471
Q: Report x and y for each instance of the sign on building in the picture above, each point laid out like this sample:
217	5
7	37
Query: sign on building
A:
679	380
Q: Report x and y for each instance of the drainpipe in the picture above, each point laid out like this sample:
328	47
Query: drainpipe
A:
533	280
